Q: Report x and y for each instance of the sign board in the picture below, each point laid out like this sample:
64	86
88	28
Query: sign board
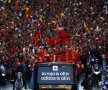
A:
55	74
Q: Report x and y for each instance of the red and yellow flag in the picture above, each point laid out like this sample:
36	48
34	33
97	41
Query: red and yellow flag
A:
17	4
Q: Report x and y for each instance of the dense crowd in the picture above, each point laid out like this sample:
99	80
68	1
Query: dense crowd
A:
51	31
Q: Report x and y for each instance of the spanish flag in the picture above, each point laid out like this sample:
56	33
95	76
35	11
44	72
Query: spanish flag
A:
16	4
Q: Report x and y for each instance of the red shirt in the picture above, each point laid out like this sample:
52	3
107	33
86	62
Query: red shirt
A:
63	34
79	67
55	40
41	55
5	58
35	41
48	41
3	31
62	58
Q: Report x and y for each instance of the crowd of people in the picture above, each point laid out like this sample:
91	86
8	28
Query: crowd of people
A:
43	31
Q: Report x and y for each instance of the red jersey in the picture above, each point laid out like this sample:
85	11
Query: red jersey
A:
63	34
